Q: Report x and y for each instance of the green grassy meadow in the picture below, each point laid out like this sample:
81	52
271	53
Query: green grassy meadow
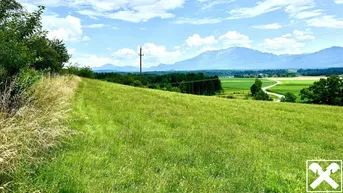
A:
240	87
242	84
142	140
293	86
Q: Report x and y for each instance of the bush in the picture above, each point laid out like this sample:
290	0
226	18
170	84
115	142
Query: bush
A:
256	87
261	95
14	92
289	97
137	83
175	89
85	72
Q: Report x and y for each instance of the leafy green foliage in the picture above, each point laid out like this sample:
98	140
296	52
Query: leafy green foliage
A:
14	91
49	54
289	97
257	92
325	91
23	42
261	95
199	84
256	87
86	72
24	48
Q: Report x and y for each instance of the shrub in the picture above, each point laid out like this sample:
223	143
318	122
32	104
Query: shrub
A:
261	95
256	87
86	72
289	97
175	89
14	92
137	83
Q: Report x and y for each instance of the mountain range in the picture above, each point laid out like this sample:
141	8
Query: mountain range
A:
239	58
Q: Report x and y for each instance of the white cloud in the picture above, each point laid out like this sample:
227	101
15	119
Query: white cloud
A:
198	21
213	3
86	38
71	51
268	26
281	45
303	35
339	1
308	14
67	29
127	10
290	6
98	25
206	48
290	43
124	53
233	38
155	54
93	60
299	9
196	41
327	21
199	44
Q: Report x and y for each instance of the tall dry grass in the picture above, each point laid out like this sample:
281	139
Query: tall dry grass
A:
28	134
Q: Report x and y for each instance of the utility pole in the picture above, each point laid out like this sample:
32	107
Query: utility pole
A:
140	60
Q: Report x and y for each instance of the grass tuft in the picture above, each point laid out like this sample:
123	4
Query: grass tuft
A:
28	134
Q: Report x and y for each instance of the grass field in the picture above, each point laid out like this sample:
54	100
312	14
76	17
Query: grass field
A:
293	85
241	84
142	140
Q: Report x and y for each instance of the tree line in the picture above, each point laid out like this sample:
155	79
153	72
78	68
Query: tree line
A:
191	83
25	52
325	91
321	72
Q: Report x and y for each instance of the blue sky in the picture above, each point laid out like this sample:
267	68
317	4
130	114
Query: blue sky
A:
98	32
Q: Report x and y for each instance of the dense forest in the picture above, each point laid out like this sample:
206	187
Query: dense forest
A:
191	83
321	72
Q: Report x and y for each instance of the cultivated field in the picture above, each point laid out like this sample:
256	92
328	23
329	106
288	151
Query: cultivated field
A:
240	87
293	85
142	140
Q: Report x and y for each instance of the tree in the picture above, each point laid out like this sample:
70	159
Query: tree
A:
261	95
24	43
325	91
49	54
289	97
256	87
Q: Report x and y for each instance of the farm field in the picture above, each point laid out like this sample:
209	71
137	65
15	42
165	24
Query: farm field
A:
142	140
240	87
293	85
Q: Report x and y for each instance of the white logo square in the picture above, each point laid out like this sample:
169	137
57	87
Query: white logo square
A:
324	176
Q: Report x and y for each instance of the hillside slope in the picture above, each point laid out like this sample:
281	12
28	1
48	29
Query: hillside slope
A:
141	140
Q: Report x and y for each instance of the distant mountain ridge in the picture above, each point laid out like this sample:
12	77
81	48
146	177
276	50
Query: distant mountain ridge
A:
244	58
